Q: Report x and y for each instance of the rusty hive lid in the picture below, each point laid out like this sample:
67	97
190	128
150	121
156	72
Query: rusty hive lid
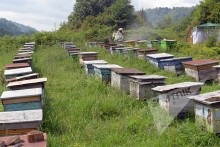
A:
16	71
17	65
26	82
95	62
106	66
200	62
160	55
128	71
207	98
166	88
21	93
21	116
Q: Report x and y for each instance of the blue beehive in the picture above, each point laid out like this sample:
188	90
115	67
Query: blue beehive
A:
175	64
103	71
27	99
155	59
89	68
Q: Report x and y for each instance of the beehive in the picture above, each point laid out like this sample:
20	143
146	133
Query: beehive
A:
11	73
26	99
130	51
143	52
87	56
20	122
207	111
103	71
89	68
173	98
217	67
141	85
201	70
23	60
155	59
175	64
120	77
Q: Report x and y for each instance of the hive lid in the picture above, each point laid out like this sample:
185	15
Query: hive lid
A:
21	116
128	71
147	77
26	82
207	98
176	59
22	59
21	93
95	62
16	71
24	53
84	53
17	65
23	77
160	55
217	66
166	88
106	66
200	62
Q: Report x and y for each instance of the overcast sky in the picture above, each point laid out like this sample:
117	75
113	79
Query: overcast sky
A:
48	14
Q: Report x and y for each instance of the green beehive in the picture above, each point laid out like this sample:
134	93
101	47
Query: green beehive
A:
167	44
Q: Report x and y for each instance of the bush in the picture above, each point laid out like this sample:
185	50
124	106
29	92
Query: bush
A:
211	41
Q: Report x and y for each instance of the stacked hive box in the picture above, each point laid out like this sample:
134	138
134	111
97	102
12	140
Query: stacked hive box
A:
23	102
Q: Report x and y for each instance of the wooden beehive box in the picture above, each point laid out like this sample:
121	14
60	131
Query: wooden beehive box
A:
73	49
143	52
26	53
12	73
24	50
89	68
130	43
32	47
120	77
25	142
20	122
25	77
130	51
207	110
23	56
23	60
155	59
103	71
217	67
113	49
173	98
17	65
119	50
26	99
175	64
201	70
87	56
141	85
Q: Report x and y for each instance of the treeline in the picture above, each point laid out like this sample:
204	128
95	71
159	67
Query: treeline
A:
12	28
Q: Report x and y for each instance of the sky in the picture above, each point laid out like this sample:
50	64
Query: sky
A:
47	15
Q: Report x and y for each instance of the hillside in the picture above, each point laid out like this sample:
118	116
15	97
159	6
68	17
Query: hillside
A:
157	16
12	28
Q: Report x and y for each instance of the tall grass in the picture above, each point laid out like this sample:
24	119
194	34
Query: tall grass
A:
82	111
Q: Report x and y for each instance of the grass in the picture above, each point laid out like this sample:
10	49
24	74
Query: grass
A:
82	111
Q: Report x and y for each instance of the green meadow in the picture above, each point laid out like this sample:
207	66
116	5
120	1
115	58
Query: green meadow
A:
80	110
